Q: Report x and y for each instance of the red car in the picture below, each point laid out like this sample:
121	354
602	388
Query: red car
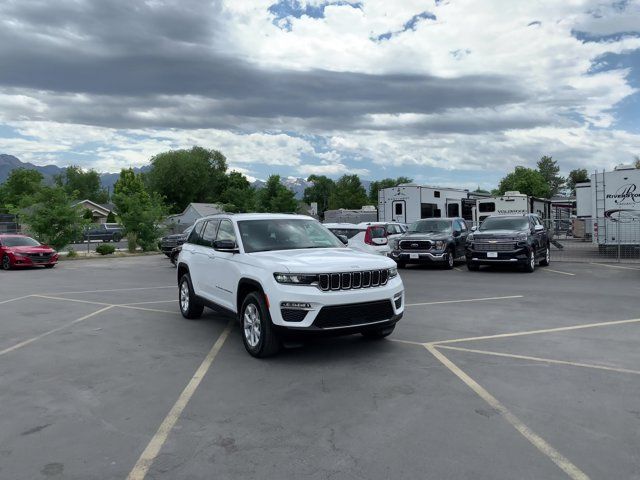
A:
23	251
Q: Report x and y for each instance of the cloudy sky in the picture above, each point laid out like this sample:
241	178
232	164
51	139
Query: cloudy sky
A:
448	92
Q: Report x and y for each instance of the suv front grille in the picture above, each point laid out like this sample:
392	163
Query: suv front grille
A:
348	315
494	247
414	245
353	280
292	314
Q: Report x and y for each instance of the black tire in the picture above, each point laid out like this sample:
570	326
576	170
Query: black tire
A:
530	266
258	334
451	260
547	257
473	267
190	306
117	238
50	266
174	259
378	333
6	262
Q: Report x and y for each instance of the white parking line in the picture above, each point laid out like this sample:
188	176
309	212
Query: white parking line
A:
536	440
536	332
157	310
614	266
42	335
175	300
557	271
152	450
14	299
112	290
539	359
49	297
464	300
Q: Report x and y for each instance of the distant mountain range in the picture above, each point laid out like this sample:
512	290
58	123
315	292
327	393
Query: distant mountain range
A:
9	162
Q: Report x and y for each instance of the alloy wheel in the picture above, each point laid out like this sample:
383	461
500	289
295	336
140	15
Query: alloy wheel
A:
6	263
184	296
532	260
252	325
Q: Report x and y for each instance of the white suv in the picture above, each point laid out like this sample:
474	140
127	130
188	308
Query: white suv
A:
286	274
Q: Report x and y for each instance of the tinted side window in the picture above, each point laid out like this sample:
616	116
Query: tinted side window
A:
194	236
226	231
209	233
487	207
463	225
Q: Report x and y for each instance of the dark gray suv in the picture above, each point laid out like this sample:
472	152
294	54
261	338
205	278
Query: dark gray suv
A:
509	239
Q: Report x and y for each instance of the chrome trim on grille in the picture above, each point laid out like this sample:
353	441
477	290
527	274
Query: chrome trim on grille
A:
352	280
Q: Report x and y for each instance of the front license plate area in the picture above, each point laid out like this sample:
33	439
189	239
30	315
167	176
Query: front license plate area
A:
414	256
492	254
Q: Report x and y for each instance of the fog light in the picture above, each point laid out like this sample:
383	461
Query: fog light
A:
298	305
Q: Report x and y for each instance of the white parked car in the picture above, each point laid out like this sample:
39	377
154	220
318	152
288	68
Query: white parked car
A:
392	230
284	275
368	239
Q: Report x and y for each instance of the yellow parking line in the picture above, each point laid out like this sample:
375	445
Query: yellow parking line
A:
152	450
614	266
535	332
557	271
14	299
62	327
540	443
544	360
464	300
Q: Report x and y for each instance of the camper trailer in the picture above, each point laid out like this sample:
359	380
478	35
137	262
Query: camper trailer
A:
610	202
511	203
409	203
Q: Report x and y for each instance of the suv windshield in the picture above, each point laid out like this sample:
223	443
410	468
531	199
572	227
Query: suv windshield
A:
285	234
19	242
430	226
505	223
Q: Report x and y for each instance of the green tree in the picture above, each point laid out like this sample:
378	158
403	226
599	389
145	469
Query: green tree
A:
378	185
525	180
636	161
51	217
185	176
19	188
348	193
480	190
139	211
549	170
319	192
275	197
111	218
576	176
82	185
239	195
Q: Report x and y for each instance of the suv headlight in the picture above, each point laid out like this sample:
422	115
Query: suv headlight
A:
296	278
470	237
521	236
440	245
393	272
394	244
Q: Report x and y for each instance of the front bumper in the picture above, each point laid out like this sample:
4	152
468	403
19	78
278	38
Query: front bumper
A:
519	255
19	261
423	257
315	299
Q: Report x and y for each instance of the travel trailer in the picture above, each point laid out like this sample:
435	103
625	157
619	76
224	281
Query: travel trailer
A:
409	203
511	203
610	206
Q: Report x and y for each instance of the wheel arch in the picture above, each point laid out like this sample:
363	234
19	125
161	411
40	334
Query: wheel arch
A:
182	269
246	286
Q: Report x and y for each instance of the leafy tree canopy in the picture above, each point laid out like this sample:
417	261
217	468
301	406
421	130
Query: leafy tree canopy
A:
275	197
20	186
239	195
549	170
576	176
82	185
319	192
378	185
348	193
525	180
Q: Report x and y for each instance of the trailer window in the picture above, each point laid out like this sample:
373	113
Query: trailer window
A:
436	194
398	208
453	210
487	207
429	210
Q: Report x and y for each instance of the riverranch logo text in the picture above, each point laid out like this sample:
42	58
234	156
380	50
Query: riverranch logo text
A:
625	192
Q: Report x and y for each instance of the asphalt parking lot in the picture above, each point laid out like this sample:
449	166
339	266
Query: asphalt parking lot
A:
494	374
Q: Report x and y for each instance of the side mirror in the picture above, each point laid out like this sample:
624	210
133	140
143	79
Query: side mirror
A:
343	239
226	246
474	228
380	241
538	228
457	233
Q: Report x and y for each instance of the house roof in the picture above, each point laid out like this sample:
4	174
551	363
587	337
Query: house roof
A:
107	207
204	209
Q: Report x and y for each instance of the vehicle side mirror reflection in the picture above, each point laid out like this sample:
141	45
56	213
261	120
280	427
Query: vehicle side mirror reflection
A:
456	233
474	228
538	228
343	239
225	246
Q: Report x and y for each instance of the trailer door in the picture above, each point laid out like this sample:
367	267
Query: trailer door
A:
399	209
453	208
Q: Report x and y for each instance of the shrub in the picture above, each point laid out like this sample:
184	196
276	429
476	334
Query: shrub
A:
105	249
72	253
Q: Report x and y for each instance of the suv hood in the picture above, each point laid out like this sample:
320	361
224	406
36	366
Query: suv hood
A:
424	236
321	260
505	234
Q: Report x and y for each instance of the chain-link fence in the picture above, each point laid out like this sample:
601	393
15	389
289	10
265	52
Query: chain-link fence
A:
595	240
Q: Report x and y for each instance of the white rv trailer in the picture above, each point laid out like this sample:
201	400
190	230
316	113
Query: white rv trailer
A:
612	201
409	203
511	203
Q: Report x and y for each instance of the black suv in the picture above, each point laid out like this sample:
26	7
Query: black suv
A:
433	240
168	243
509	239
